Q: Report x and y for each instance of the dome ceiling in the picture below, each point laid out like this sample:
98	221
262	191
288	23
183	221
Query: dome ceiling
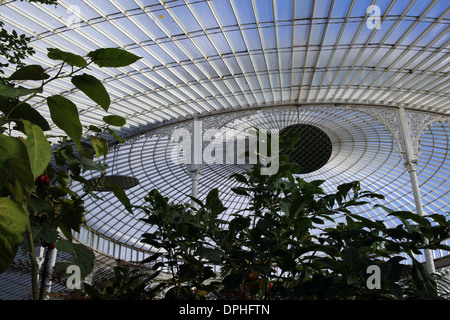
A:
335	65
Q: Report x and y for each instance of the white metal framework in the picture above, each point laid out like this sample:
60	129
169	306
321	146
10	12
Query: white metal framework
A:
373	74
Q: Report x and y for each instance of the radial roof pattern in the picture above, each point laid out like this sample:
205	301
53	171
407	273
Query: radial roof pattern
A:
264	63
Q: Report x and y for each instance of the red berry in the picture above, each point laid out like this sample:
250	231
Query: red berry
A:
51	245
270	285
47	181
42	178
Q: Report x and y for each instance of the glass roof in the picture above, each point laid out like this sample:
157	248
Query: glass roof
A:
265	63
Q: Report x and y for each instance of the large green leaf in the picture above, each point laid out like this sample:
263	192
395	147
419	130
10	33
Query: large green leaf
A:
93	88
82	256
213	202
232	282
112	57
211	254
90	165
23	176
121	196
68	57
100	146
114	120
38	148
9	147
5	168
13	223
31	72
404	215
64	114
26	112
14	92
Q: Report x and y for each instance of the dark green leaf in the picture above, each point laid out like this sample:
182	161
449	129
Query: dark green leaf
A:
240	178
100	146
115	120
9	147
26	112
239	191
422	279
197	201
64	114
21	171
11	92
114	134
153	257
83	256
112	57
31	72
440	219
92	292
405	215
350	255
263	224
89	165
331	264
13	222
38	148
213	202
93	88
213	255
232	281
70	58
121	196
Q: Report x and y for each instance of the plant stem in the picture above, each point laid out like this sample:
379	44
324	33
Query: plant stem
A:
34	265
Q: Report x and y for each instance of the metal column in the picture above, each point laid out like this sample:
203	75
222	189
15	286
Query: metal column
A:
196	158
411	166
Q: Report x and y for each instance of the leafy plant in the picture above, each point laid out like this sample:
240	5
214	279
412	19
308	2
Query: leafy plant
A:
126	284
179	237
289	245
36	168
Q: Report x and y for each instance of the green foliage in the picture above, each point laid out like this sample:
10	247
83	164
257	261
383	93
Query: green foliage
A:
112	57
13	48
71	59
35	194
13	223
82	256
64	114
93	88
290	246
126	284
38	148
179	234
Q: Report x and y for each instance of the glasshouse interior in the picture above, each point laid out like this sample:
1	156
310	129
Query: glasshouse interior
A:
224	150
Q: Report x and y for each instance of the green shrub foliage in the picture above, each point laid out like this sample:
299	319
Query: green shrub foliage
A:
289	243
36	168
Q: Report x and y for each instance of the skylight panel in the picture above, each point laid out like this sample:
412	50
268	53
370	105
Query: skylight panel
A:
244	11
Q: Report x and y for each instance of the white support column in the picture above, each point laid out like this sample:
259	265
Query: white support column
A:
40	260
50	270
196	155
411	166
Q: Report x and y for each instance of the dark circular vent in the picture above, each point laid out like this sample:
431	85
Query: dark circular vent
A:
125	182
312	151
